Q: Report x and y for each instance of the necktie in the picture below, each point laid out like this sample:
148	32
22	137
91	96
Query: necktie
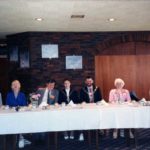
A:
91	95
48	99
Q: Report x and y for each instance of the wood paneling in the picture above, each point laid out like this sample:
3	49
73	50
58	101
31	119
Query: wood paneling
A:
143	75
127	48
133	69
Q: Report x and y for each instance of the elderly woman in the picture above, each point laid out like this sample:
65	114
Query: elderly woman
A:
119	95
17	98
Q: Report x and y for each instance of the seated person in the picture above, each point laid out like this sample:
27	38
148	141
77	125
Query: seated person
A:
119	95
48	94
66	95
89	94
17	98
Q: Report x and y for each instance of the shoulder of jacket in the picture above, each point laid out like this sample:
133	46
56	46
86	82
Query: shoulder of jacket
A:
125	90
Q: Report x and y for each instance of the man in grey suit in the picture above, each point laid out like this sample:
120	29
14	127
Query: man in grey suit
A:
49	94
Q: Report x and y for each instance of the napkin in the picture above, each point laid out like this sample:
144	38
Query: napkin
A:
102	102
143	101
43	104
6	107
71	103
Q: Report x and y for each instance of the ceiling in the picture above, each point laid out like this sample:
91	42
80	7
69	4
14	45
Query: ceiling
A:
19	15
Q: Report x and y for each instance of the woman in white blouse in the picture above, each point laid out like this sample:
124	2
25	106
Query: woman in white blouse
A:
119	95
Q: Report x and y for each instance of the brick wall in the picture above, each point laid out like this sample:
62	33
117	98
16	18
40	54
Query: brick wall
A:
87	44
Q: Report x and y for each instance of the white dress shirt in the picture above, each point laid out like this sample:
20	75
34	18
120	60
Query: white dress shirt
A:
44	99
67	92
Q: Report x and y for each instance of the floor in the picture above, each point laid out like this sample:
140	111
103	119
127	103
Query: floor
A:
106	142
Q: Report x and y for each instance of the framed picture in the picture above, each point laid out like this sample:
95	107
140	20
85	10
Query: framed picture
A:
24	59
74	62
49	51
13	53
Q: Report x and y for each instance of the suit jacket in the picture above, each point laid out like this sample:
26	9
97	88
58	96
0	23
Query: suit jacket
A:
19	101
134	96
54	92
73	95
84	96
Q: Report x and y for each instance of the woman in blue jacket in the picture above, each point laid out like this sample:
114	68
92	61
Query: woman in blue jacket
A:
16	98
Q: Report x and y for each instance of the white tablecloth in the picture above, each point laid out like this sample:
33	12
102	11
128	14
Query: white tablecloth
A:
62	119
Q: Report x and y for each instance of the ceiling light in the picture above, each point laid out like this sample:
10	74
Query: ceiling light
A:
39	19
111	19
77	16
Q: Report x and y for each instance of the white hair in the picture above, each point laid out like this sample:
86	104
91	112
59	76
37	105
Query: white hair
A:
118	80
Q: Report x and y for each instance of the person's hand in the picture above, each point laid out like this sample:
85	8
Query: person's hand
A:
83	103
56	104
52	97
30	105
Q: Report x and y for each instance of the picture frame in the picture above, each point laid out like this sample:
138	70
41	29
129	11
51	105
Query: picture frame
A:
74	62
49	51
13	54
24	59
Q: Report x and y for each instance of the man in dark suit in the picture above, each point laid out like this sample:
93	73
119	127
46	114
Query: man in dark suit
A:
49	94
68	94
90	93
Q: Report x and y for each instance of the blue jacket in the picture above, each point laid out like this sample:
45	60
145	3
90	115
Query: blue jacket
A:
19	101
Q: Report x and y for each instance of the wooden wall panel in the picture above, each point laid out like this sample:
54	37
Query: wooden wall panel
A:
143	75
133	69
127	48
142	48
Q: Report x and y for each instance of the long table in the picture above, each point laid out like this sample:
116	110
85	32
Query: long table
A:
81	117
86	117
